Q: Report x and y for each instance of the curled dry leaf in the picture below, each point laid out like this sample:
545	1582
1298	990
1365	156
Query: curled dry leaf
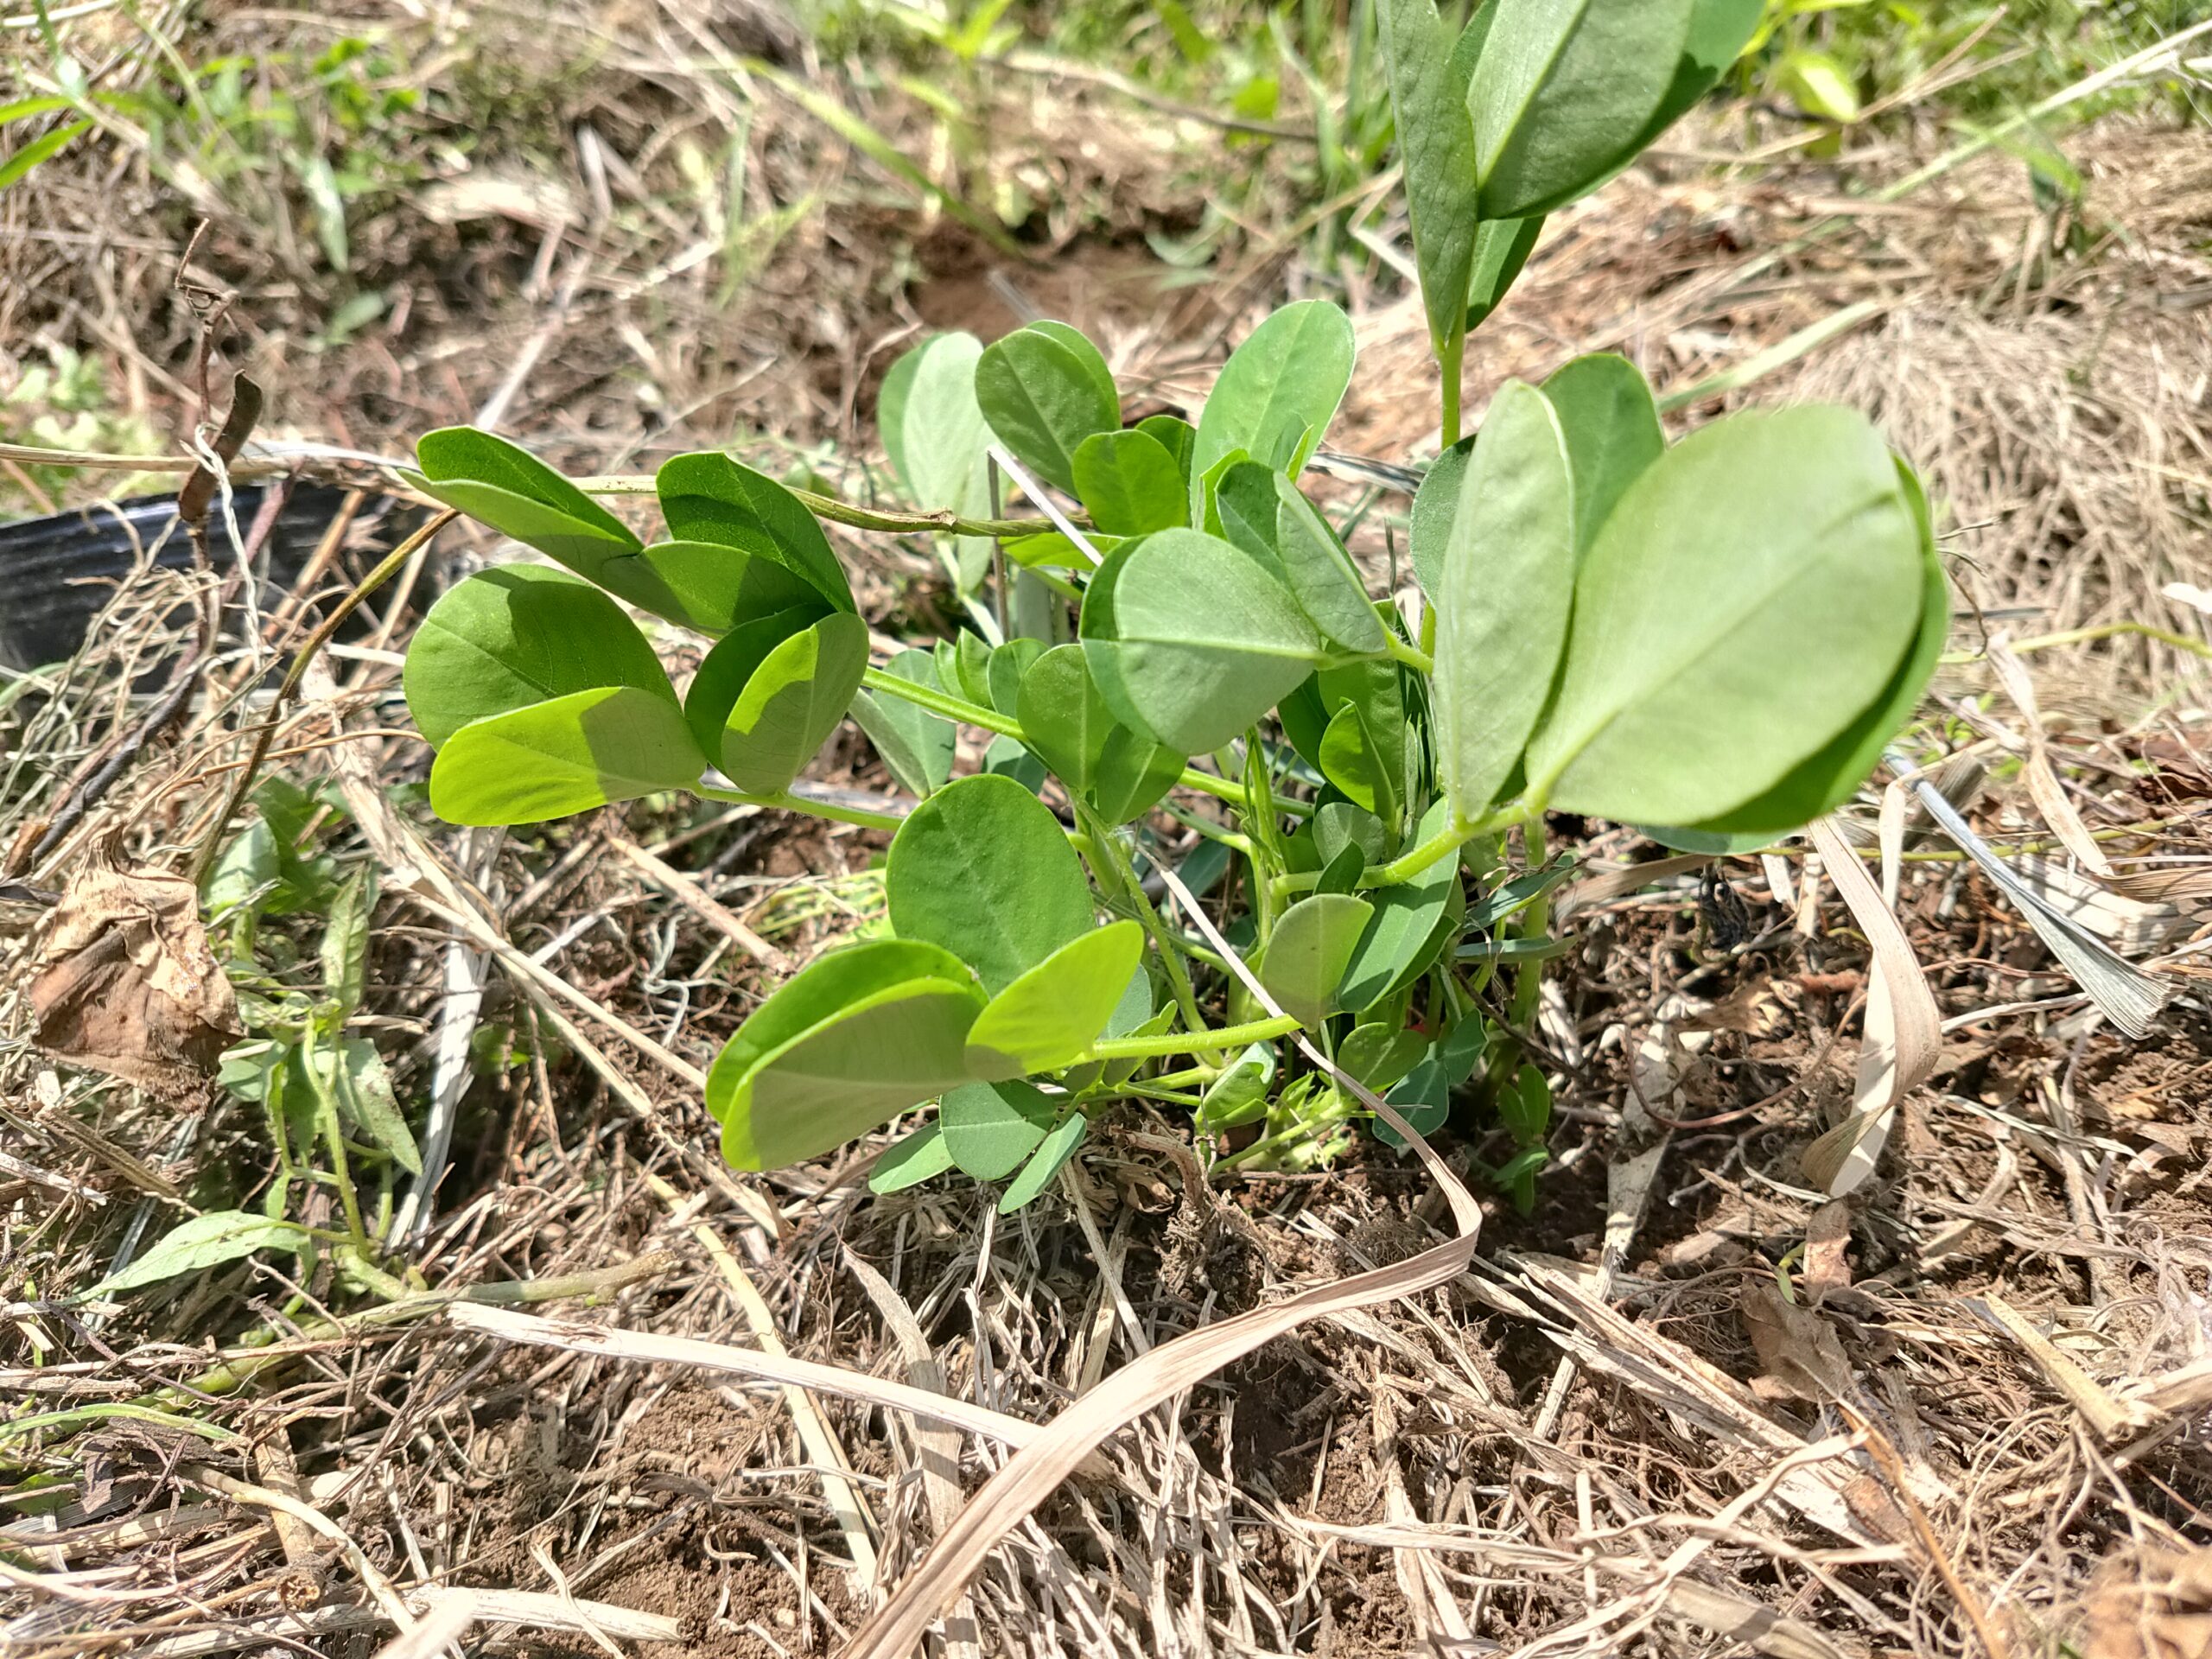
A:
1799	1356
124	983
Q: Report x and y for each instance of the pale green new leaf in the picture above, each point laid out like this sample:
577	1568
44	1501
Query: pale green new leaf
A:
1051	1014
570	754
791	704
519	634
1507	586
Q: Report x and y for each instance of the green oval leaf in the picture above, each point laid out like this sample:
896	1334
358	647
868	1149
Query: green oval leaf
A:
1051	1014
1195	641
1561	92
518	495
1238	1095
1044	1165
791	704
984	870
1010	663
1381	1055
1129	485
866	1064
1308	953
1289	375
1352	760
833	982
989	1127
723	673
1832	775
1436	508
1508	583
572	754
517	635
709	498
911	1159
707	586
1688	688
1044	396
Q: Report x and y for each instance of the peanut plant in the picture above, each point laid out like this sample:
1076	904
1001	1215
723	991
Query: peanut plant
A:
1711	638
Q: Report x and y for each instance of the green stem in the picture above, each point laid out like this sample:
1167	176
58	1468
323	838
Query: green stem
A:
1414	859
1191	1042
1110	867
334	1135
788	801
1411	656
965	713
1452	357
2085	636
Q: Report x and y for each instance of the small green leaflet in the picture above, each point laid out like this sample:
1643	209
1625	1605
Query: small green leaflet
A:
1290	374
567	755
916	745
1044	1165
1306	955
1047	1018
1045	390
203	1242
991	1127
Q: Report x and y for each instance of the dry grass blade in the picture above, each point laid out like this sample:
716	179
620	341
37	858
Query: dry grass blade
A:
2043	781
1031	1475
611	1342
1904	1028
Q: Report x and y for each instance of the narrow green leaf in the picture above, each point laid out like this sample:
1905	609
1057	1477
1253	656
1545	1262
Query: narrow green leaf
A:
1306	955
519	634
1322	577
1129	484
1508	583
1612	427
1688	687
1044	1165
516	494
21	161
1292	371
1436	143
345	951
1502	249
990	1127
1195	641
366	1100
203	1242
1404	935
1436	508
1051	1014
568	755
984	870
1561	91
1044	398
